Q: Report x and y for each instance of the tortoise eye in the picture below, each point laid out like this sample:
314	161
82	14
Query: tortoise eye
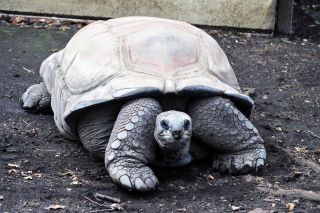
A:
186	124
165	124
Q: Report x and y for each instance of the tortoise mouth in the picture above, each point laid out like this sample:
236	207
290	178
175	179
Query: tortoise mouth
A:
172	145
177	139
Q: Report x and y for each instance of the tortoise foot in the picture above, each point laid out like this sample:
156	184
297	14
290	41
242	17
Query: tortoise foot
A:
241	162
133	175
36	98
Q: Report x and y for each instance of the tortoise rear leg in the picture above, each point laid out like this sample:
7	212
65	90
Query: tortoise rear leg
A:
219	124
132	147
36	98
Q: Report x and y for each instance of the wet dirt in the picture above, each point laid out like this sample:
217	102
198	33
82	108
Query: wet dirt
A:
39	168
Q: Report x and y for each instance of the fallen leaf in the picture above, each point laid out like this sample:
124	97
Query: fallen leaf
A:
290	206
301	149
235	208
182	187
67	173
10	171
210	177
13	166
75	183
18	19
28	177
38	175
55	207
259	179
64	28
24	174
182	209
248	178
116	206
54	50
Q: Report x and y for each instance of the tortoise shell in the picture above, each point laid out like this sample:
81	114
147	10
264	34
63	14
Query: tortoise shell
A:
133	57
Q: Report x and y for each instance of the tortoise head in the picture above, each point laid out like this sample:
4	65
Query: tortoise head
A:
173	135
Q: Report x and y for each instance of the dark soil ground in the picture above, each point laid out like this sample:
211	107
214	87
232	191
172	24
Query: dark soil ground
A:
39	168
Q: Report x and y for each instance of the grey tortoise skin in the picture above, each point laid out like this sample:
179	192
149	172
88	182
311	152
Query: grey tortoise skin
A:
219	124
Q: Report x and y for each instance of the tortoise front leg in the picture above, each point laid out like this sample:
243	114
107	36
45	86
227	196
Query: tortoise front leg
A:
132	147
219	124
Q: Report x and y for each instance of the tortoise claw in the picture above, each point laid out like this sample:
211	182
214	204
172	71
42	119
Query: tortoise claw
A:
242	162
133	175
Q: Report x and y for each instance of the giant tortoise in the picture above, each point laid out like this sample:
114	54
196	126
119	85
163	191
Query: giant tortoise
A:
135	89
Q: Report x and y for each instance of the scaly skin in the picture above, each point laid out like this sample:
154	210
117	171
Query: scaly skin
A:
132	147
36	98
219	124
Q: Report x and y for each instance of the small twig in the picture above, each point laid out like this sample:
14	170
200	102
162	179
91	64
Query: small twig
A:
46	150
287	41
29	71
112	207
99	204
26	122
297	193
310	43
106	197
311	133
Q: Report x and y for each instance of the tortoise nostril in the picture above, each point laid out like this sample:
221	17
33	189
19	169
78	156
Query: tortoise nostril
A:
177	134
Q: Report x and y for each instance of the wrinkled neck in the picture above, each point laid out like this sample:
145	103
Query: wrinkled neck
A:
174	156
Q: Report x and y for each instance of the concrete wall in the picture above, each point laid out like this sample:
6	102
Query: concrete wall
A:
255	14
